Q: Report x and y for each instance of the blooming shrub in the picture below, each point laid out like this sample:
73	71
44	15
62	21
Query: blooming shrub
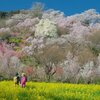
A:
79	30
46	28
28	22
49	39
20	16
12	22
53	15
4	30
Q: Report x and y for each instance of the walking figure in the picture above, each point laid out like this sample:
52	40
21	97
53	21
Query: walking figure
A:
23	80
16	79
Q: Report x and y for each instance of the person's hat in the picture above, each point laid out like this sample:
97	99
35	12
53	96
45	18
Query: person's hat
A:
23	74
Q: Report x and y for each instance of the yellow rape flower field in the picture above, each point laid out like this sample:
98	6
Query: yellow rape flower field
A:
49	91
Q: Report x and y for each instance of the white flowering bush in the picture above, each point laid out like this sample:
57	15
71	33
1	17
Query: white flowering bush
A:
14	61
28	22
52	15
20	16
79	30
56	16
88	67
4	30
35	44
32	29
12	22
95	26
46	28
88	73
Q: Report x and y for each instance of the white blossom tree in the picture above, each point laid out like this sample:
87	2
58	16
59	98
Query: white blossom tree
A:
46	28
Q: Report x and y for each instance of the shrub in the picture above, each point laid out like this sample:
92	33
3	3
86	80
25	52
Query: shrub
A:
5	36
37	10
46	28
14	40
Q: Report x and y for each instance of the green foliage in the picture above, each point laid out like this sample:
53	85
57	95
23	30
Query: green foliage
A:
14	40
4	15
10	39
96	51
86	22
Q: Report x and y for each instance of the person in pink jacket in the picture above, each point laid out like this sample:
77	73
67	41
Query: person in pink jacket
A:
23	80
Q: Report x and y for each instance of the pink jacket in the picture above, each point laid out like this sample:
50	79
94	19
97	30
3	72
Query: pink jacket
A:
23	80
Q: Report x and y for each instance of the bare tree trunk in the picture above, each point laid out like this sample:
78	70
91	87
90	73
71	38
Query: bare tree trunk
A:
49	72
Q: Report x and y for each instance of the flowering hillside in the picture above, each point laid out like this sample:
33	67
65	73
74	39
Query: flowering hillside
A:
49	46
